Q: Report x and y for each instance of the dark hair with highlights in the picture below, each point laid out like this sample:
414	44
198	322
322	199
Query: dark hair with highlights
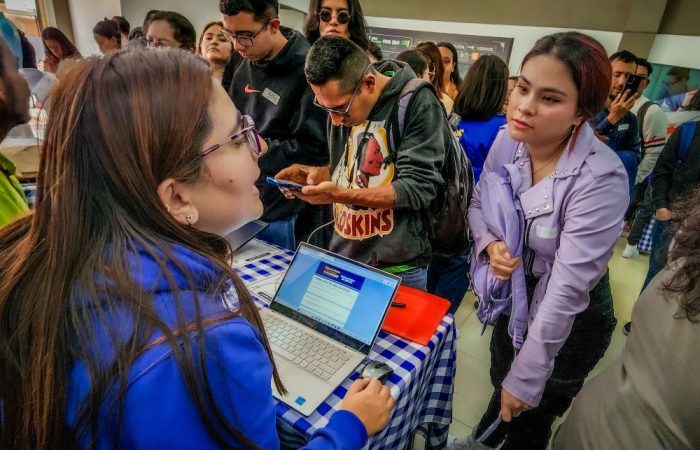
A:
147	19
122	24
685	255
357	25
66	272
434	57
588	66
183	30
54	34
456	79
204	32
415	60
484	89
109	29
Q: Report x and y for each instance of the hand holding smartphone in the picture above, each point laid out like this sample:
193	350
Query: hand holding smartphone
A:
632	84
284	184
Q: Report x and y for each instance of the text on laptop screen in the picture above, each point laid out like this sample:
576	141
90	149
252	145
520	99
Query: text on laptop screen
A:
342	295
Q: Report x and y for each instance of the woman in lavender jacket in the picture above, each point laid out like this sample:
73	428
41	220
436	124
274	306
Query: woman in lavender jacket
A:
574	194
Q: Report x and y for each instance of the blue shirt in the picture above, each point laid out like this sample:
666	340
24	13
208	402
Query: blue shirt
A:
623	136
8	32
476	137
158	409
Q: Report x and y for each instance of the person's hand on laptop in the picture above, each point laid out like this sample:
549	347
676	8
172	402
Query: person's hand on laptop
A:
371	402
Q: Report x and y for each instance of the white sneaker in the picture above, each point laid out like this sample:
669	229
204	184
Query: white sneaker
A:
458	442
630	251
464	443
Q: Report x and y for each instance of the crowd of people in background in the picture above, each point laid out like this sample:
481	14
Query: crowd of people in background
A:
562	147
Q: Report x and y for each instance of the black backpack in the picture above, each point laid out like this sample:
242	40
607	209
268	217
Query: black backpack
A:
446	216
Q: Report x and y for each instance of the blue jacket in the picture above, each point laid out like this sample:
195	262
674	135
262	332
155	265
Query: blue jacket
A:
158	410
476	137
9	32
623	136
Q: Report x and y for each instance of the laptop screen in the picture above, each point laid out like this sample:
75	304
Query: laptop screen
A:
243	235
338	297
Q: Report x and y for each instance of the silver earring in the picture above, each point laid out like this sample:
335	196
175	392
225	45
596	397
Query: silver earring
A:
167	207
188	218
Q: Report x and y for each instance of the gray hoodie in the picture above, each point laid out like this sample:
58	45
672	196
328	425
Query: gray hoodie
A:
360	158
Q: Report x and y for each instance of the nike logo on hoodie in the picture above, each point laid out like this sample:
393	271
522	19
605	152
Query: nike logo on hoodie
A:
250	90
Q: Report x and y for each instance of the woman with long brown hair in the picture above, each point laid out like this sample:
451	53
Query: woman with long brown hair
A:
217	50
113	330
436	72
57	48
450	64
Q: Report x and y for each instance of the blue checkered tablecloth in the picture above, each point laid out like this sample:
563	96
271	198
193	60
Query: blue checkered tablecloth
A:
29	190
422	382
644	244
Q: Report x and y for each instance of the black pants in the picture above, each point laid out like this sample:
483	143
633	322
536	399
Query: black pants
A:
637	198
645	211
586	344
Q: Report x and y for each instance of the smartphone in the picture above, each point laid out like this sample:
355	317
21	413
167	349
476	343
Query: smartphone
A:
632	84
284	184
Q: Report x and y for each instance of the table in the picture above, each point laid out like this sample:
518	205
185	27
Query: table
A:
29	190
423	377
24	153
23	144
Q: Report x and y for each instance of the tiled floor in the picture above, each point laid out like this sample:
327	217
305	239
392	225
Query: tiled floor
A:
473	387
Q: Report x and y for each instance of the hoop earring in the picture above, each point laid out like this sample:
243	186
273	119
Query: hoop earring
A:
188	218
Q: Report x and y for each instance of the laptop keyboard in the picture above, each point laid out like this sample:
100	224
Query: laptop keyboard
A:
304	350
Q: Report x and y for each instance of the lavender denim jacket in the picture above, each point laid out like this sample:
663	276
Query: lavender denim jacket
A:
507	222
576	217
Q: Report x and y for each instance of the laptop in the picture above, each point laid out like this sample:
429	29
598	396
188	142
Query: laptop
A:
245	234
323	321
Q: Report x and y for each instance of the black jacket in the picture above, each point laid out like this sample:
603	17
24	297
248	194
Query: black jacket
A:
669	182
361	158
278	98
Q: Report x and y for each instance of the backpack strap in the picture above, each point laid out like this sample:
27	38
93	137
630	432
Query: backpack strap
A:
640	122
687	135
397	118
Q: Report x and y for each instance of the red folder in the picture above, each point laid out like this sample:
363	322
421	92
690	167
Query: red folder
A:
420	318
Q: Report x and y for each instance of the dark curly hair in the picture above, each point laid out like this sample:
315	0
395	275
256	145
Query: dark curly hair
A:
685	282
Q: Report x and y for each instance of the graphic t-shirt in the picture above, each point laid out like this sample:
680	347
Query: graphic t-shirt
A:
367	164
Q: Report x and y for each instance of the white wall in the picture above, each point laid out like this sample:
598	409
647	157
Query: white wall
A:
668	49
199	12
673	50
292	18
524	37
299	5
84	15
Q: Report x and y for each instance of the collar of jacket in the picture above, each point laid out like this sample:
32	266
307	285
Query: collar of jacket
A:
538	200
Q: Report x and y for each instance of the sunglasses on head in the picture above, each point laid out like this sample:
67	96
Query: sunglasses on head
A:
326	16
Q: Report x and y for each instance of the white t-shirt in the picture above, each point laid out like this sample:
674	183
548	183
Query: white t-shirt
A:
654	128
